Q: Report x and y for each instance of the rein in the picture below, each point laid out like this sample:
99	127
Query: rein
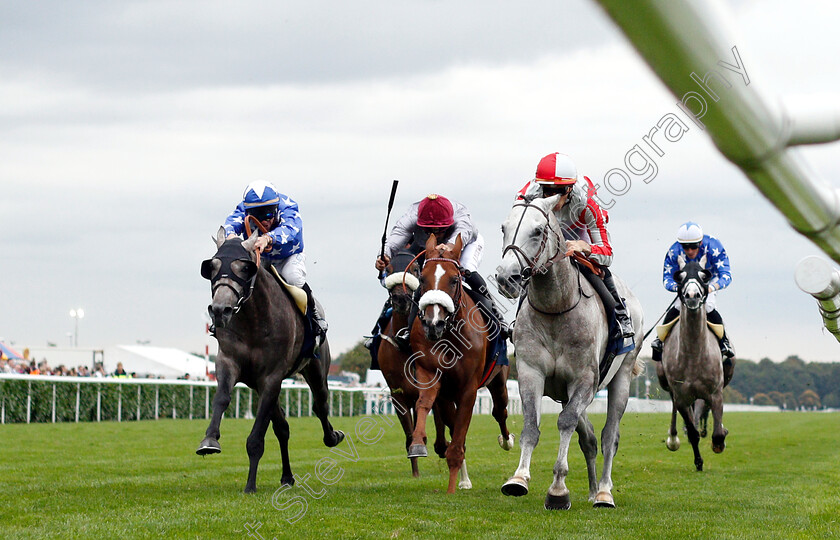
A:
531	268
247	286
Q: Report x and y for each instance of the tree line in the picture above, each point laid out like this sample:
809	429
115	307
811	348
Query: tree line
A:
792	384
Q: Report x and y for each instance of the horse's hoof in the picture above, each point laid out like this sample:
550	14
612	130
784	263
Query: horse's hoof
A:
699	465
250	489
516	486
208	446
703	433
506	444
604	500
465	484
673	443
558	502
290	481
337	437
417	450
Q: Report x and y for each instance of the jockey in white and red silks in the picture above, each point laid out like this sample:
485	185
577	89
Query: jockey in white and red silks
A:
584	225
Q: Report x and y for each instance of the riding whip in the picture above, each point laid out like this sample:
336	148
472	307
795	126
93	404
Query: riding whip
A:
387	217
657	320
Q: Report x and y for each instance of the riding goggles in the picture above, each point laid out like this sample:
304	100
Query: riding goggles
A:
691	245
262	213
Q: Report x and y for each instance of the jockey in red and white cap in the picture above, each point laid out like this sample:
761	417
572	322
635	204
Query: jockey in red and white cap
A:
584	224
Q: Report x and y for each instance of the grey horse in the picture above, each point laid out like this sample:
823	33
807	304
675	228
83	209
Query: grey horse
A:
691	369
260	337
560	337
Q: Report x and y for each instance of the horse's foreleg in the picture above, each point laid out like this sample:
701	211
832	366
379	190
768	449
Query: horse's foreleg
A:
558	497
226	379
281	431
444	416
428	390
693	435
589	446
618	393
457	447
315	375
498	391
406	417
531	387
719	434
255	444
673	440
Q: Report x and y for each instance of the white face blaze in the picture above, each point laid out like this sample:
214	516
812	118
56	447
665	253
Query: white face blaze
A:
437	298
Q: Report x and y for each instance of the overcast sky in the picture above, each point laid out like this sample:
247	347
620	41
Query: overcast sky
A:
128	131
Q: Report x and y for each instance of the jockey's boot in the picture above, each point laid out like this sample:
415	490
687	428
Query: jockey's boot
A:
622	317
656	348
316	319
728	370
487	305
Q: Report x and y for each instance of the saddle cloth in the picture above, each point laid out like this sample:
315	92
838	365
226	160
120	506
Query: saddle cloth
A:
663	330
298	295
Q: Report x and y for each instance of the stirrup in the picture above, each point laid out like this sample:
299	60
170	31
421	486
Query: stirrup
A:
403	339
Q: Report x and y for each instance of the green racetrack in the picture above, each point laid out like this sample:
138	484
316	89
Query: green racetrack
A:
778	478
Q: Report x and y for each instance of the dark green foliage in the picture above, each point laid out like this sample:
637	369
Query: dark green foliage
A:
356	360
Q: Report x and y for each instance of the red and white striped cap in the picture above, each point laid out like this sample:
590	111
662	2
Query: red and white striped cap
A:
557	170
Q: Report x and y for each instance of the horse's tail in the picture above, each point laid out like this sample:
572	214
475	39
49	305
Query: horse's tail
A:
639	366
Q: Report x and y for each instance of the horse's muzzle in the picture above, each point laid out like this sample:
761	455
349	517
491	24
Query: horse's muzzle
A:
220	314
511	285
434	331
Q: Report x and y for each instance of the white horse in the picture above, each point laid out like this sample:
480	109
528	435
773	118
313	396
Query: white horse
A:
560	336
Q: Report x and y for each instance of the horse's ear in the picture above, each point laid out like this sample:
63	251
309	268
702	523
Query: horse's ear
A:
459	245
431	242
703	261
220	237
681	262
249	243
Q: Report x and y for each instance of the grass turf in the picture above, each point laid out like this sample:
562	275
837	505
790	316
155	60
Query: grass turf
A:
779	477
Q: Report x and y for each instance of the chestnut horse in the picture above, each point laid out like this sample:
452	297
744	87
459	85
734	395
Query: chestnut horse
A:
450	339
402	281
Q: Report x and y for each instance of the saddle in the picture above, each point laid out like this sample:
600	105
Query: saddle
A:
663	330
297	294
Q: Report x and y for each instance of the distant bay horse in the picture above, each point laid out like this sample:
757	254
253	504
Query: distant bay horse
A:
450	339
403	279
691	369
561	335
260	334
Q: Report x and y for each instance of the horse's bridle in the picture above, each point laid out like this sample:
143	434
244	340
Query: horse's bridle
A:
449	320
531	267
229	252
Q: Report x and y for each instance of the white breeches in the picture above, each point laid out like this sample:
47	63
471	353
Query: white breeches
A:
293	269
472	254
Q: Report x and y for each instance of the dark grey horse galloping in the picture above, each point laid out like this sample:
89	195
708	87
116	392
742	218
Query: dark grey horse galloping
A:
260	336
691	368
